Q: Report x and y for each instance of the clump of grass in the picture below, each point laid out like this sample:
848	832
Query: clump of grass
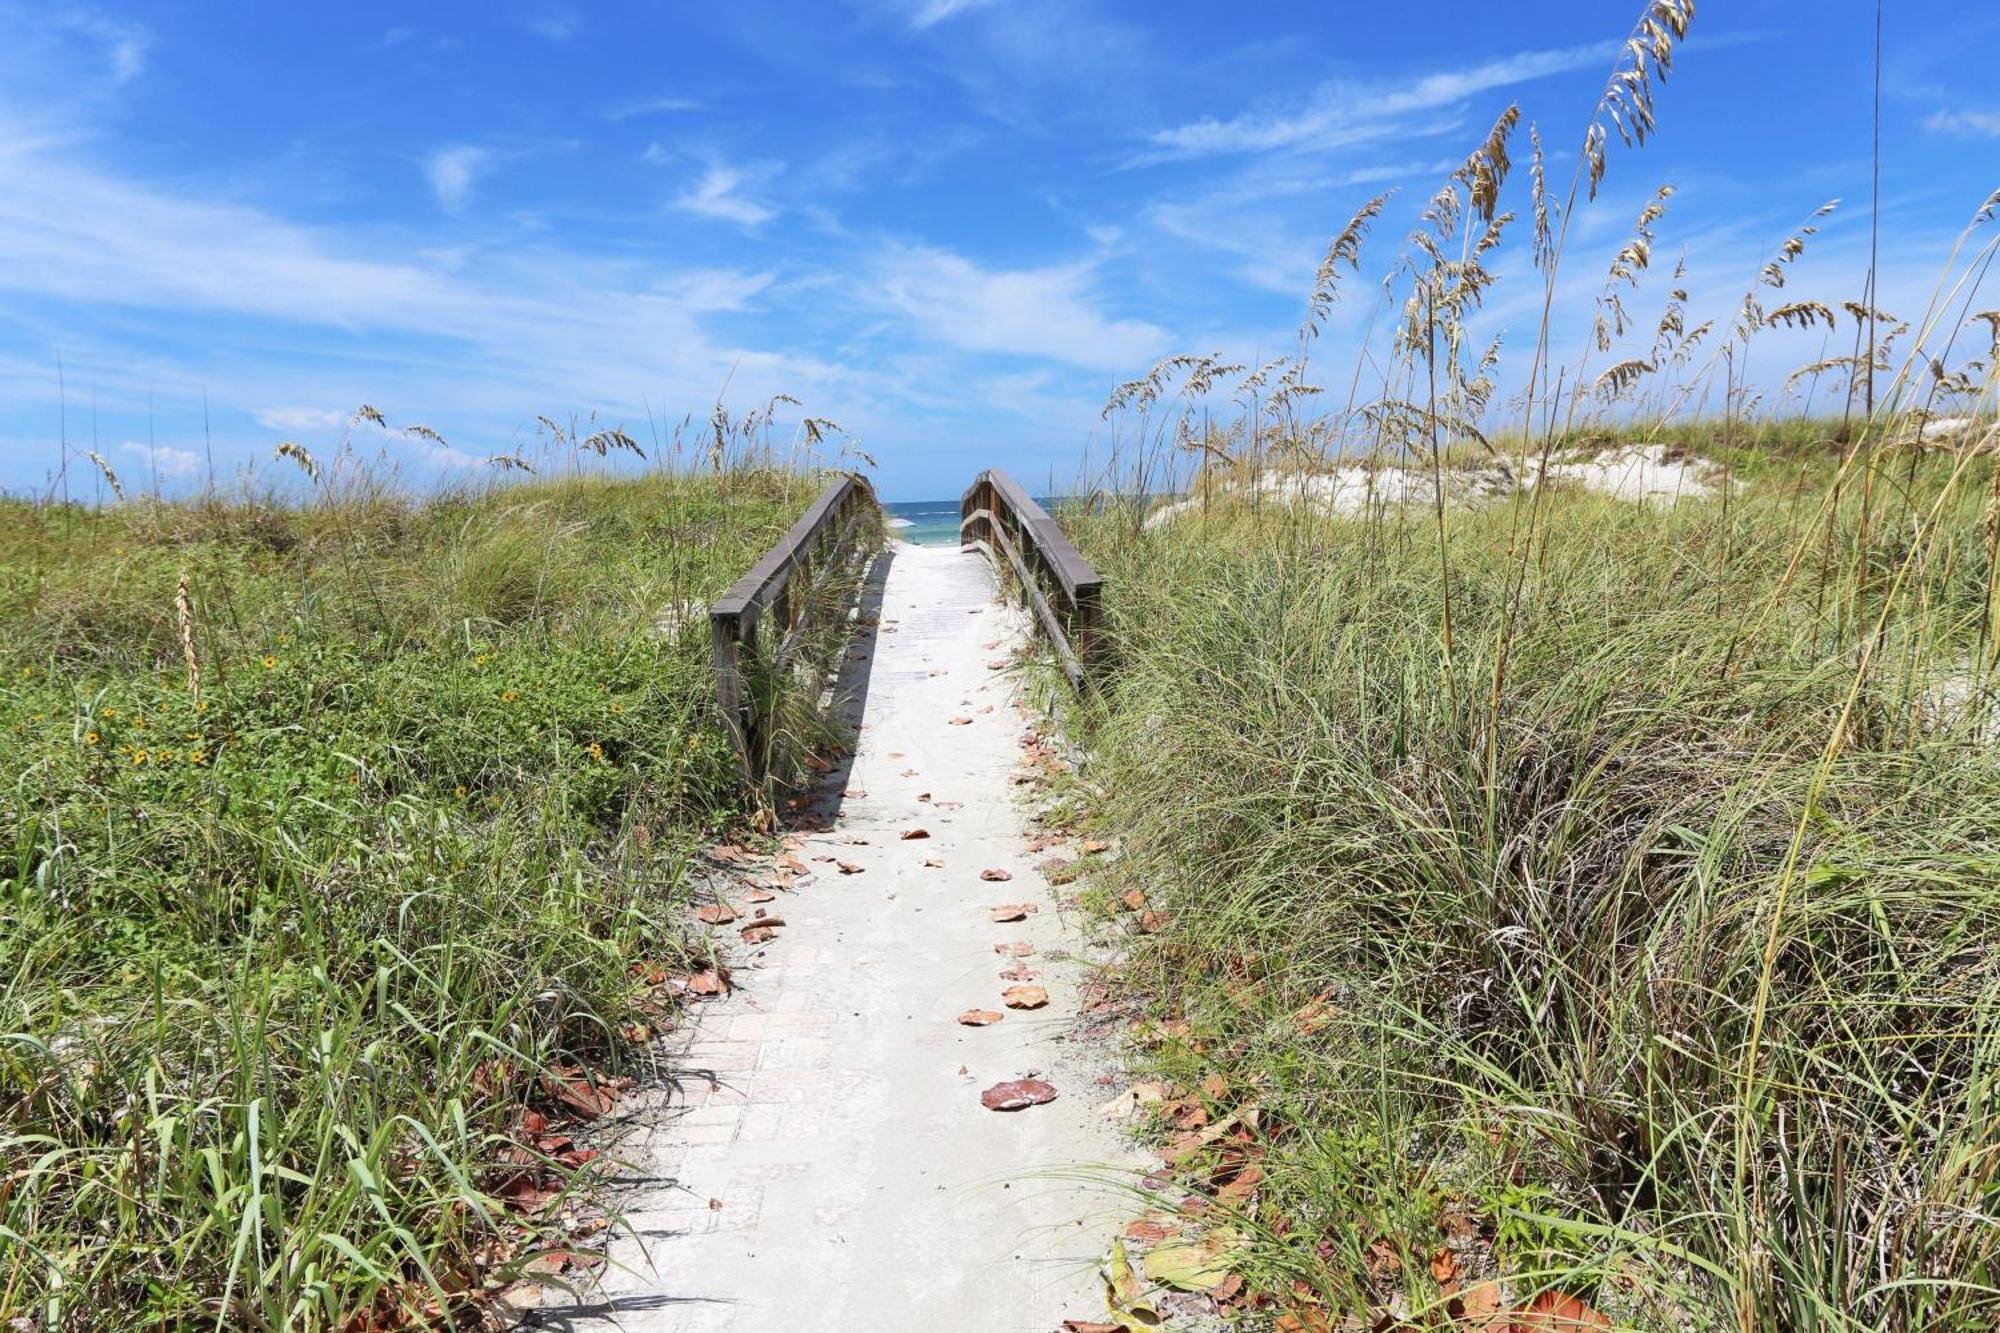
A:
1600	892
1533	939
333	829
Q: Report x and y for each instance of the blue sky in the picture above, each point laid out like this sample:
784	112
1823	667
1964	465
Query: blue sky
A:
950	225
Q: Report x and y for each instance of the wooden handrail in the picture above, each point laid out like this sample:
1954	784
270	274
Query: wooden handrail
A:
823	540
996	512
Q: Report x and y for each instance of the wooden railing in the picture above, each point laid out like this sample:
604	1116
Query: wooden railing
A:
1058	584
758	626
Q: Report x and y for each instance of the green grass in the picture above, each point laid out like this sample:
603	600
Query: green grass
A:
1652	927
281	964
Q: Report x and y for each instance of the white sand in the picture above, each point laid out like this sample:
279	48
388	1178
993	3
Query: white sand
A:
1643	474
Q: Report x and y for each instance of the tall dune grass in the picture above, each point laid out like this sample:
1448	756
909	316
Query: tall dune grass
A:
1602	892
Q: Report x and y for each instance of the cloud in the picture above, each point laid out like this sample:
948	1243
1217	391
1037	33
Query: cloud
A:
1038	312
930	13
1347	112
363	318
452	171
125	44
1965	124
158	458
715	196
649	106
555	23
299	419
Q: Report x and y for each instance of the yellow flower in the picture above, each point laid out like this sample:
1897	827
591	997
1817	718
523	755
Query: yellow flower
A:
618	708
482	659
138	756
596	750
354	778
201	705
459	790
197	757
138	724
508	696
111	712
90	738
270	662
27	672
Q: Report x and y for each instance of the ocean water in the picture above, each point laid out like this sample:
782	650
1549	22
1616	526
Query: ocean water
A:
924	522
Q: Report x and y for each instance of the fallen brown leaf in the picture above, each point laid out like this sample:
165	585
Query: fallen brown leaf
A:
1016	949
912	834
979	1018
1006	912
1557	1312
961	722
1017	1095
849	868
1025	997
715	914
996	875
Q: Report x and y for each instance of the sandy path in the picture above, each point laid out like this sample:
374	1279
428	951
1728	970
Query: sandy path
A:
842	1174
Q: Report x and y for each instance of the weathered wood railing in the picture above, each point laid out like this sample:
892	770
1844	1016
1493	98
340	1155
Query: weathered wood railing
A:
758	625
1058	584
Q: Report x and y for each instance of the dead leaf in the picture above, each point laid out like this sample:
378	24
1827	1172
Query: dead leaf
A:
559	1261
1017	1095
1006	912
933	863
715	914
760	933
979	1018
714	981
996	875
1025	997
961	722
1092	846
1150	923
849	868
1015	949
912	834
760	896
1134	899
1444	1265
1557	1312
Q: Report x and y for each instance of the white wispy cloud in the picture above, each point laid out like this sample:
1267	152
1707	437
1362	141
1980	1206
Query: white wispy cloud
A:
1347	112
162	459
649	106
525	328
716	195
1050	313
555	23
453	171
299	419
125	44
930	13
1965	124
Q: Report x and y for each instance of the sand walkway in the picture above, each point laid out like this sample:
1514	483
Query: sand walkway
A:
841	1173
